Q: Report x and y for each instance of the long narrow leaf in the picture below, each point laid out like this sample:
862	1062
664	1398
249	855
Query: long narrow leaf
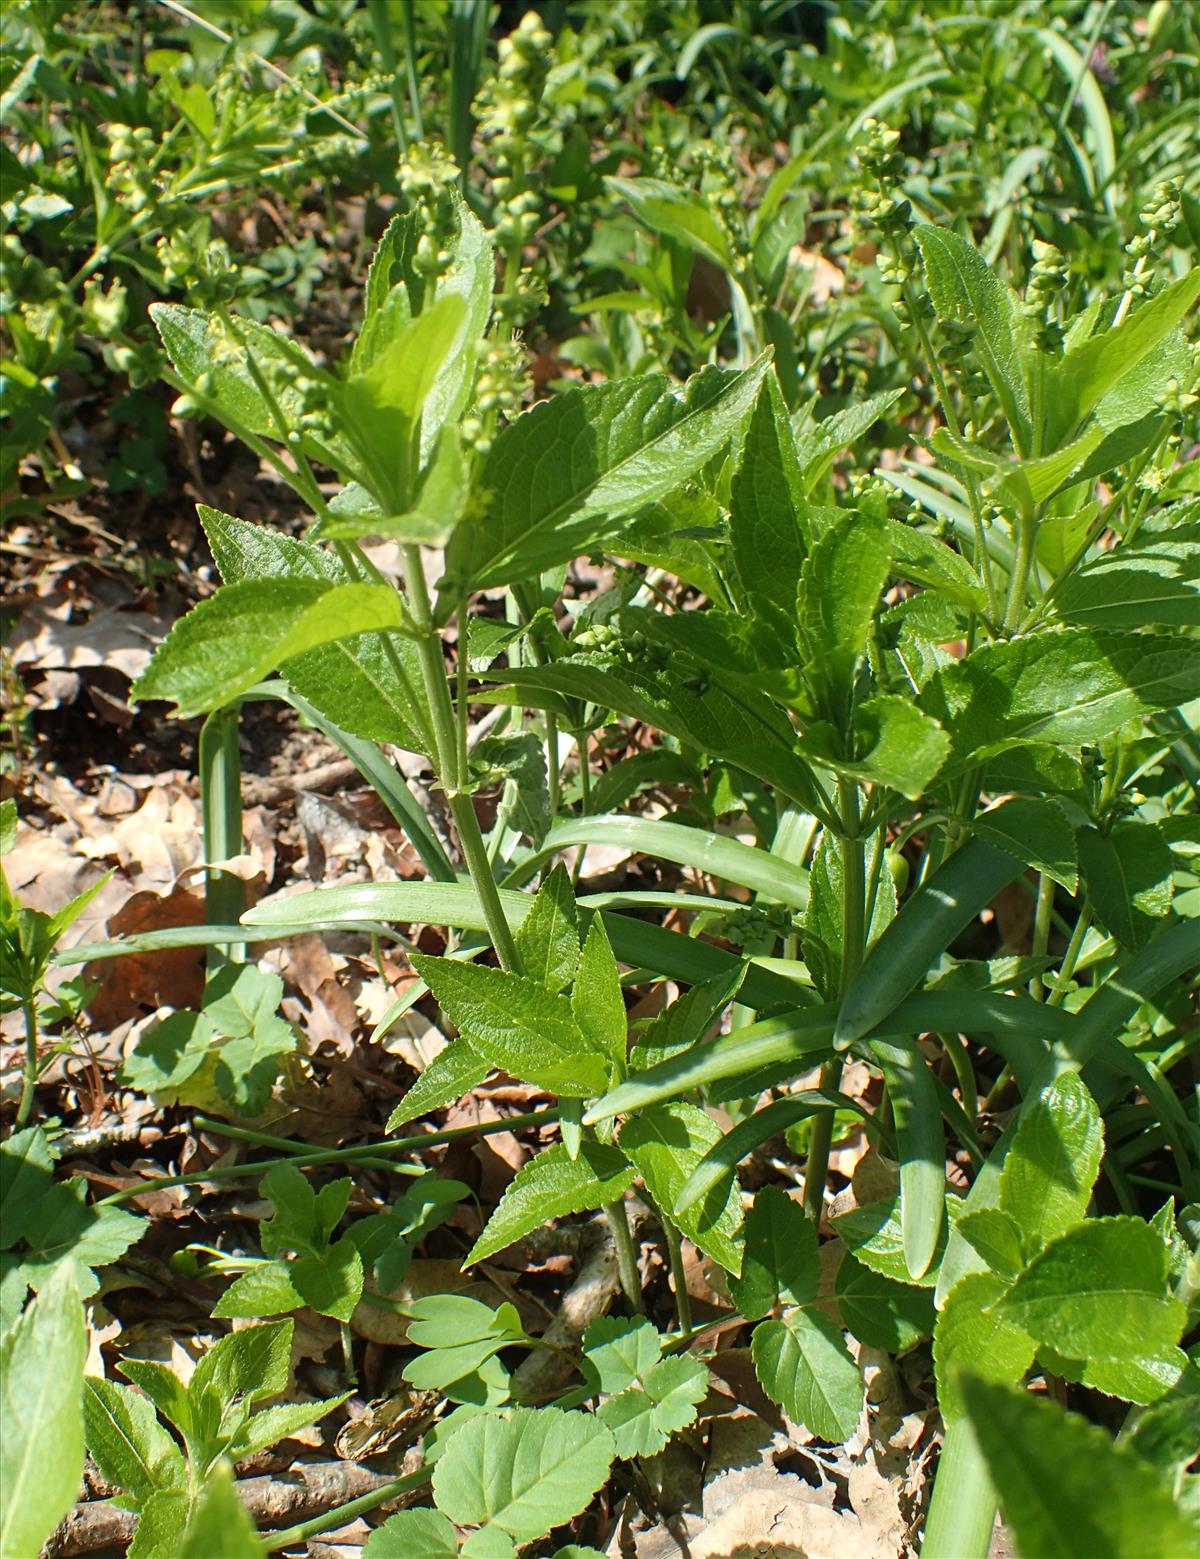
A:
726	1154
921	1148
715	854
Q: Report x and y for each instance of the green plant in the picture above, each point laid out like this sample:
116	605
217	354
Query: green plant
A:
216	1414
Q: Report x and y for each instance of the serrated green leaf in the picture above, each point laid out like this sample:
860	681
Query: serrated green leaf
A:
1064	1487
840	588
965	291
1047	1177
873	1233
1154	580
779	1259
802	1363
251	1364
370	685
303	1219
553	1185
1037	834
566	474
996	1237
526	1472
1099	1291
266	1289
413	1534
1065	689
127	1442
278	1423
161	1525
41	1416
26	1175
726	722
895	744
1091	369
452	1073
618	1351
596	997
1133	1379
644	1417
972	1333
766	506
881	1313
219	1525
382	401
666	1142
331	1283
677	214
69	1230
240	635
1129	873
517	1025
548	938
163	1059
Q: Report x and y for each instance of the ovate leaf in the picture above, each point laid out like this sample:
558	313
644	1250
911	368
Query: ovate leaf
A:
666	1142
965	291
1098	1292
127	1442
548	938
526	1471
780	1256
972	1334
1037	833
1064	1487
1064	689
596	997
517	1024
1047	1178
767	518
553	1185
41	1417
881	1313
238	636
840	588
369	685
566	474
1129	873
802	1363
219	1526
452	1073
413	1534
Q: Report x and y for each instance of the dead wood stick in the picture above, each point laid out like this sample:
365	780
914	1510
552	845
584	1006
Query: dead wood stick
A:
312	1489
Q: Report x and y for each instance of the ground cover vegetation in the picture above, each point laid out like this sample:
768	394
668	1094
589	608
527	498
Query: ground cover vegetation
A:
600	778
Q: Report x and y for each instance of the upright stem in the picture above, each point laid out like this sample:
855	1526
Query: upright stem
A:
1041	928
683	1300
446	756
854	908
627	1267
29	1082
221	805
962	1512
1022	563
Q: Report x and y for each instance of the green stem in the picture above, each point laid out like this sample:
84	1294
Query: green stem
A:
446	756
683	1300
1070	958
1041	928
351	1155
627	1267
1018	583
962	1512
854	908
29	1083
221	805
340	1515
